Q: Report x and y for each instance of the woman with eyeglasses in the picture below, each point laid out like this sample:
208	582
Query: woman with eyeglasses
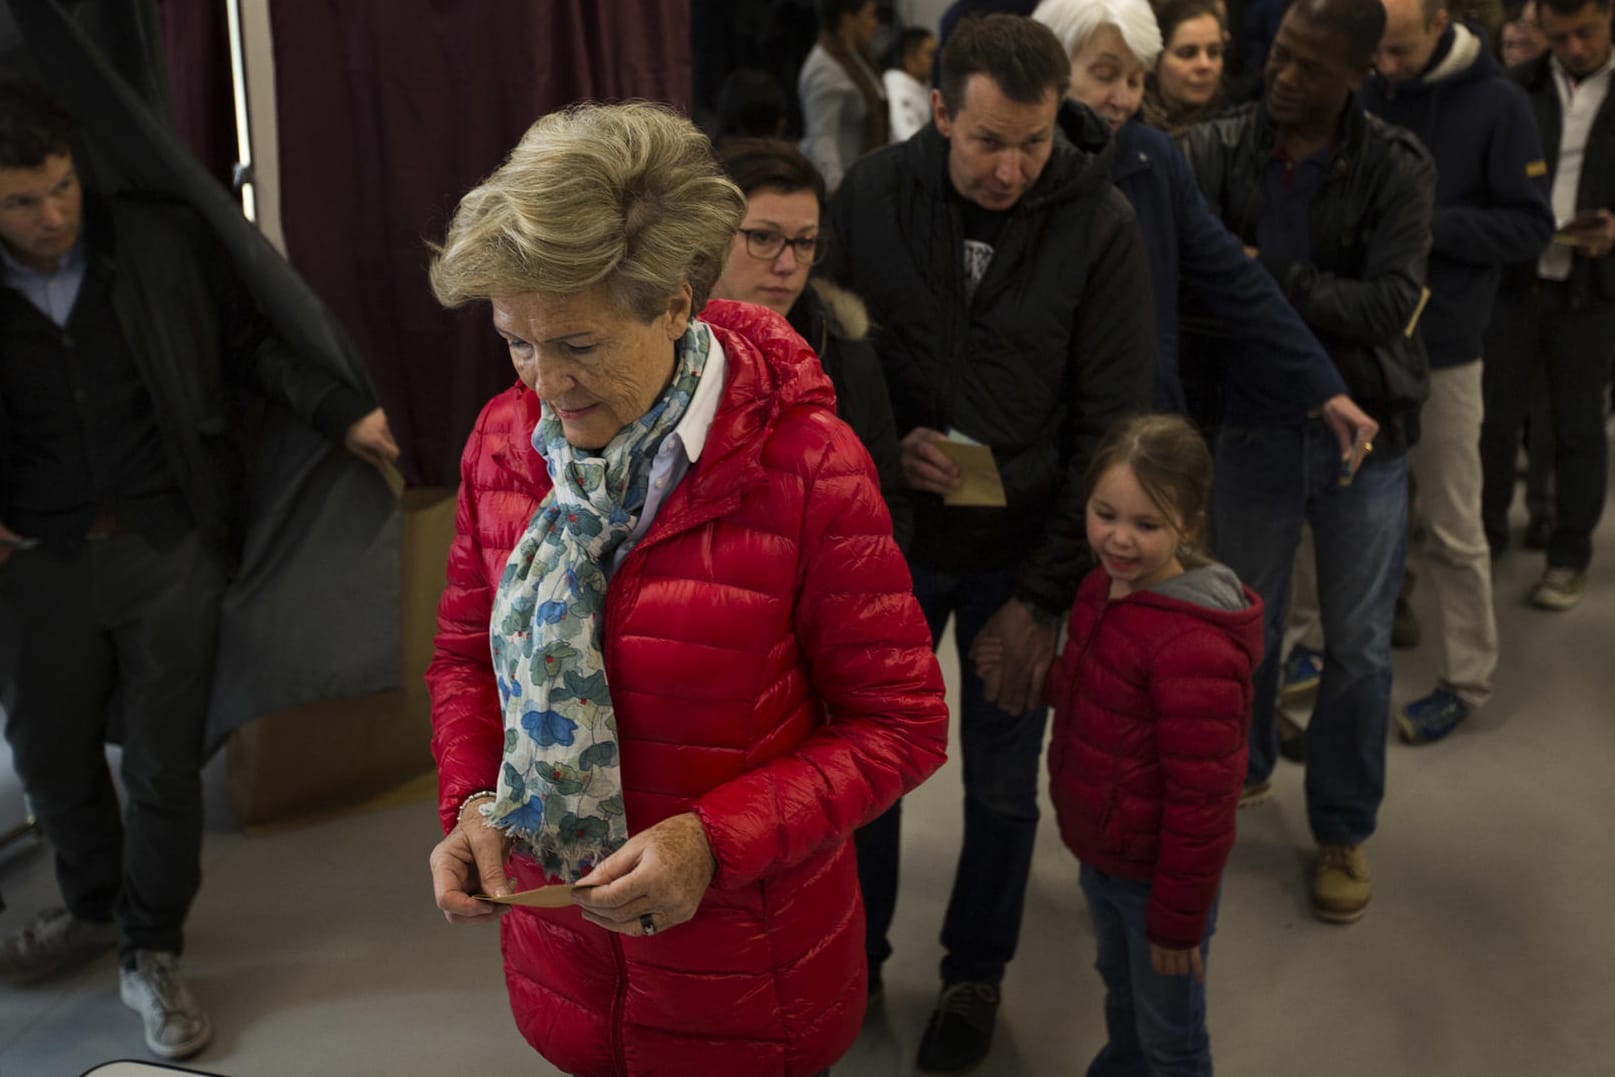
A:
770	260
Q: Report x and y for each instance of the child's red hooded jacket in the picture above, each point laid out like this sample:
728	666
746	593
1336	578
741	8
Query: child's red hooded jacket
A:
1152	699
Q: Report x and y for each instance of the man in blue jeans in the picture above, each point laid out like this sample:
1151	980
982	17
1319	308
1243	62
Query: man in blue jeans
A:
1337	205
1010	285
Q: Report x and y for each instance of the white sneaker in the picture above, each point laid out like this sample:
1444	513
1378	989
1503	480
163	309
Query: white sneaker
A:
1559	589
176	1027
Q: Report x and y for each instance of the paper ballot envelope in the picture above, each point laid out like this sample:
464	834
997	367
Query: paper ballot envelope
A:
982	487
558	896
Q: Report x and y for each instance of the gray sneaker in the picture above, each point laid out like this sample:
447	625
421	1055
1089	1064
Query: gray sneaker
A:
1559	589
55	941
176	1027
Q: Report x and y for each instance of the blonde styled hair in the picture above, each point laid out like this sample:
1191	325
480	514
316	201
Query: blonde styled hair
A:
625	195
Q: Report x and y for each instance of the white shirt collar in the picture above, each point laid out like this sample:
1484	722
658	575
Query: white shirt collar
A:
693	429
1564	76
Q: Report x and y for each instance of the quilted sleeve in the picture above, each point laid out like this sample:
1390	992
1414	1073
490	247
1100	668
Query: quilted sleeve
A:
869	654
1200	689
467	731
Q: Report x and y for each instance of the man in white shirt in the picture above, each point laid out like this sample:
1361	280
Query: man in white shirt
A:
1561	308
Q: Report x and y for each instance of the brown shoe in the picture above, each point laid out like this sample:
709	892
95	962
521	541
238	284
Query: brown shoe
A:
1255	793
1341	886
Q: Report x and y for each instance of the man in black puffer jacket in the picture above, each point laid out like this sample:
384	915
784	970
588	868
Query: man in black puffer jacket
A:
1337	204
1007	280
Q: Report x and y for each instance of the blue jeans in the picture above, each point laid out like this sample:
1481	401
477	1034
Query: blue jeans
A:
1000	754
1156	1024
1269	479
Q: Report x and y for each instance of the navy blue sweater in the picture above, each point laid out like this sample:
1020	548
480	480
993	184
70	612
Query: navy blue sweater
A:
1278	370
1492	206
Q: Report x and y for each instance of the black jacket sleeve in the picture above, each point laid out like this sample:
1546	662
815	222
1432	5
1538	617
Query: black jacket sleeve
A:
1284	356
1380	305
868	410
1110	374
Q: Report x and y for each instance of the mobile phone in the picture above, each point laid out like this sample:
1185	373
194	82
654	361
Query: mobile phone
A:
1360	448
17	542
1587	218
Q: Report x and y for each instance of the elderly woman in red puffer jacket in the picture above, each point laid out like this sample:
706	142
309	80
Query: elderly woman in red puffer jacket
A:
678	662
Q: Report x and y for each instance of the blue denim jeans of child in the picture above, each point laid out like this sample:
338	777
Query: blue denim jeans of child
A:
1000	754
1156	1024
1270	479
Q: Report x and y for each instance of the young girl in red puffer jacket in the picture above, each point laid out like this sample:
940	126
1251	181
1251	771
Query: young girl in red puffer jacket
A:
1152	703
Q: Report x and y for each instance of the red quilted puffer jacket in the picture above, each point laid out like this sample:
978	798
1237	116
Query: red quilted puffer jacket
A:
1152	703
771	672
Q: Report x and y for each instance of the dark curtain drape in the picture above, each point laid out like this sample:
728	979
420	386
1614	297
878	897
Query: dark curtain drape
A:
312	608
768	35
196	44
389	110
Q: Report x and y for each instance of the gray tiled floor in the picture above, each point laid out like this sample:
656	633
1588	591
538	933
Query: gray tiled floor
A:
1488	950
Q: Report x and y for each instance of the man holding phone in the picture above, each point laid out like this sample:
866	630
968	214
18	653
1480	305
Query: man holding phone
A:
1561	308
1337	205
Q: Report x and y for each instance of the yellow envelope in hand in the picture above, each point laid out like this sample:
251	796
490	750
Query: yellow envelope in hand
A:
558	896
981	486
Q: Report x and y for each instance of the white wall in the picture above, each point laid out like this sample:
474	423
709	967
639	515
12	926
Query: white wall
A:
261	116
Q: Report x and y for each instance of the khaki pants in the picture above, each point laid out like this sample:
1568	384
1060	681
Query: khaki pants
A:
1458	564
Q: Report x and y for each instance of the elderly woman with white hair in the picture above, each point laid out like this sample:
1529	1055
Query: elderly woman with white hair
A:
678	660
1113	44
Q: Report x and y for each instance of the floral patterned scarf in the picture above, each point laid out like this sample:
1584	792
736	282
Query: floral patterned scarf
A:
560	790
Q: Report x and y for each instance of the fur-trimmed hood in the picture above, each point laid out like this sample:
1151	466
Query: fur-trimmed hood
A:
847	315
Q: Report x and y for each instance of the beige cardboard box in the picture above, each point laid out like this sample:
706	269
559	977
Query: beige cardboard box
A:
336	755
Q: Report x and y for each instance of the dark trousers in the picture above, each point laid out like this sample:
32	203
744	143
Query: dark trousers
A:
1000	752
1269	481
1575	347
122	624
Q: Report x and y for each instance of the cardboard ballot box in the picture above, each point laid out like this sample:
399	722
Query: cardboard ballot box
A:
335	755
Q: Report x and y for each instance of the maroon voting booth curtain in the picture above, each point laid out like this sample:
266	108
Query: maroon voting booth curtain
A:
389	110
196	46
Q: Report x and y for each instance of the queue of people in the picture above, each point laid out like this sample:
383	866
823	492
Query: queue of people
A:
1013	271
709	540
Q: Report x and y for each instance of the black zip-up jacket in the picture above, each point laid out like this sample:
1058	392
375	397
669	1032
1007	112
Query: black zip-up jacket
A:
1056	345
196	337
1491	192
1370	234
835	324
1592	280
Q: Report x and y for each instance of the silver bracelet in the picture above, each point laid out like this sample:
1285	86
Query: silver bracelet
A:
459	816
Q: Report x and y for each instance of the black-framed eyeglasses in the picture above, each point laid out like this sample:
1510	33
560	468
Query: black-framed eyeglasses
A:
766	244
